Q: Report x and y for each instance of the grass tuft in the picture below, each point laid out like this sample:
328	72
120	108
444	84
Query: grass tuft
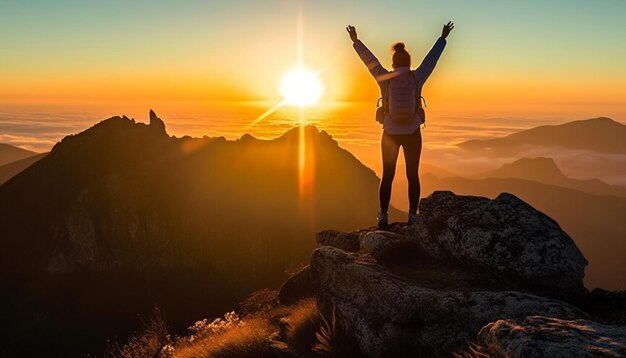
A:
154	341
334	341
300	330
248	339
474	351
303	323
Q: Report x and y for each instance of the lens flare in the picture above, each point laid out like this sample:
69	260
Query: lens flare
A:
301	87
306	161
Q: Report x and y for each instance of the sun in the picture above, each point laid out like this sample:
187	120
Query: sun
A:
301	87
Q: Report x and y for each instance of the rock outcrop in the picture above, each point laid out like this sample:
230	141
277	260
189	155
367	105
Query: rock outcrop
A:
297	287
384	310
469	262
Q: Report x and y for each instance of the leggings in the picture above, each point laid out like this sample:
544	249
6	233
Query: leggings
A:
412	146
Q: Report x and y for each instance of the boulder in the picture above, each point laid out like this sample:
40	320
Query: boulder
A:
505	237
551	337
297	287
385	310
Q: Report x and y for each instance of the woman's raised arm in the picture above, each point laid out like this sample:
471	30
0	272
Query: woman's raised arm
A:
430	61
368	58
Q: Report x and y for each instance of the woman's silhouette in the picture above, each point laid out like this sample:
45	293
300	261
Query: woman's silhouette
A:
401	90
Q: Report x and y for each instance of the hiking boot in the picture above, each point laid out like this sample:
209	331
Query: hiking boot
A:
412	218
382	218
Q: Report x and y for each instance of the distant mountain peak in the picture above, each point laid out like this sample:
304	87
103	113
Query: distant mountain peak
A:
600	134
295	131
543	168
115	129
545	162
593	122
544	165
545	171
310	131
602	119
10	153
247	137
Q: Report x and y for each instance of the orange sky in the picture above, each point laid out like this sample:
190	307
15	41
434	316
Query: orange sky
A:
156	51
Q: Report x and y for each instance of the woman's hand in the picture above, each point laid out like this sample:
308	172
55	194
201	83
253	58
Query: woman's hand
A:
446	29
352	31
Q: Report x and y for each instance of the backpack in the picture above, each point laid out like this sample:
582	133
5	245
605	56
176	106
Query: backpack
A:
405	102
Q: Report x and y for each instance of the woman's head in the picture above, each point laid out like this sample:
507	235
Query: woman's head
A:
400	58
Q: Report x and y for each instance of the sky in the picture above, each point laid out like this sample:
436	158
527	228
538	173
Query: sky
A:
500	52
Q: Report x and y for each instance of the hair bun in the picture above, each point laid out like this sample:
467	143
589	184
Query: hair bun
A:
399	46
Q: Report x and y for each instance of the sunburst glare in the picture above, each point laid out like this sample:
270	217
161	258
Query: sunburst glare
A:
301	87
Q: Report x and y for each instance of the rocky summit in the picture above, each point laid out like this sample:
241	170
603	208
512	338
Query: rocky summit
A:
470	275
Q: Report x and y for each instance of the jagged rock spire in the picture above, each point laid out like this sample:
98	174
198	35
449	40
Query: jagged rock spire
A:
156	122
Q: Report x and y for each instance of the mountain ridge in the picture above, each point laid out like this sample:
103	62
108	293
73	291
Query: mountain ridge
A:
601	134
10	153
109	134
126	205
9	170
545	170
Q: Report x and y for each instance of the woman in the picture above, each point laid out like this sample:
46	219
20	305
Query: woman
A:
399	89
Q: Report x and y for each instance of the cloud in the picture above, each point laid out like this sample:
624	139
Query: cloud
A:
29	143
579	164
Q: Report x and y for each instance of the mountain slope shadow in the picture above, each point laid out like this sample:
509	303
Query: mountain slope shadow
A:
122	217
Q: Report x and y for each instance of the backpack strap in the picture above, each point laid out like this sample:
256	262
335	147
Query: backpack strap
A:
385	94
419	99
